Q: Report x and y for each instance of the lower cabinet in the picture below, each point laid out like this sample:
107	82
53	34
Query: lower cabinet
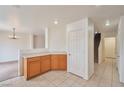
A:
45	64
34	68
58	62
62	62
41	64
54	62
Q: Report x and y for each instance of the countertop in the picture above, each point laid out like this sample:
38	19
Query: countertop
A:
44	54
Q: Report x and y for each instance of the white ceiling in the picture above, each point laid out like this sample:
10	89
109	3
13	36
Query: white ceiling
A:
35	18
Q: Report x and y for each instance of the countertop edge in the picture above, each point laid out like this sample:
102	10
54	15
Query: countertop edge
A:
44	54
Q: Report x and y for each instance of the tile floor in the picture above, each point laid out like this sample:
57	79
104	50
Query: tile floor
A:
105	76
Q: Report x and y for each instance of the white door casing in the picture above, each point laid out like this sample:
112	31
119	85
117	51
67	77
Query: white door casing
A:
80	36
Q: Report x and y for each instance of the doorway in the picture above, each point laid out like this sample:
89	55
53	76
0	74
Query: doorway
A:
109	48
97	39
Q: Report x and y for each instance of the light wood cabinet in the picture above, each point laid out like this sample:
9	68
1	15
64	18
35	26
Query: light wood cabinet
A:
58	62
62	62
31	67
54	62
45	64
34	68
38	65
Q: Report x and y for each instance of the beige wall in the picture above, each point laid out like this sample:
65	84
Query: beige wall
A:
39	41
90	47
110	34
9	47
57	38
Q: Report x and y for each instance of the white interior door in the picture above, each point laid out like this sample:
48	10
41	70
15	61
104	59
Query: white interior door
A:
76	52
109	47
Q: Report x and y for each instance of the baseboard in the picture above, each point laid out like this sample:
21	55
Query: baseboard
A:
9	61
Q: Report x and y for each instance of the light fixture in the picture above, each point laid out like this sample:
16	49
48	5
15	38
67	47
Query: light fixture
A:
107	23
13	36
96	32
56	22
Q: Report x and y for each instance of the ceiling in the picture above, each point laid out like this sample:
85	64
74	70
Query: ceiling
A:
35	18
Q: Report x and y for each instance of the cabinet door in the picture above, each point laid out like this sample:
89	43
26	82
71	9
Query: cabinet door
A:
62	62
34	68
54	62
45	64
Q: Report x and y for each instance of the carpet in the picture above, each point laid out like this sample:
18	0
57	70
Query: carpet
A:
8	70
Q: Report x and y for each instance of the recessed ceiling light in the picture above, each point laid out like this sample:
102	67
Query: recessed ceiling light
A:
56	22
107	23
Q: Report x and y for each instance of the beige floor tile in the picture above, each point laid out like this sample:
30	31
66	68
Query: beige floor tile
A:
58	81
106	75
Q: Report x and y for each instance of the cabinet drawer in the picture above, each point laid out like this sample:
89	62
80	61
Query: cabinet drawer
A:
45	57
34	59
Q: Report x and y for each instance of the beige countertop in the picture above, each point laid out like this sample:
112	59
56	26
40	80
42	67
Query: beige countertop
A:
44	54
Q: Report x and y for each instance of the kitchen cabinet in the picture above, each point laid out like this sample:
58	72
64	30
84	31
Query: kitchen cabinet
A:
58	62
54	62
34	66
45	63
62	62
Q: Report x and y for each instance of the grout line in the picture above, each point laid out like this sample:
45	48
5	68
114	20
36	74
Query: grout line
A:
102	74
55	79
104	69
112	73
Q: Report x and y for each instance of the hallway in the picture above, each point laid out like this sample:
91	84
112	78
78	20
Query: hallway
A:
105	76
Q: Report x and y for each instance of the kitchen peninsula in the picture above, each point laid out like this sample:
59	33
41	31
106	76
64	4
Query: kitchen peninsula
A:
37	64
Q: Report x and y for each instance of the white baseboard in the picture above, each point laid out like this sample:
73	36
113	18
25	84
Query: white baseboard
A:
9	61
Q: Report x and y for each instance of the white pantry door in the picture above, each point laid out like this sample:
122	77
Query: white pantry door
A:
76	52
